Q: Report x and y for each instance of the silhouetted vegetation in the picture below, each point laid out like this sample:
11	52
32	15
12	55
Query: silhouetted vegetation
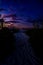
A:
37	22
1	21
7	46
36	40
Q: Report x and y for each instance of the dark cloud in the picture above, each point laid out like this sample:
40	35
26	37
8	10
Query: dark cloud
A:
24	8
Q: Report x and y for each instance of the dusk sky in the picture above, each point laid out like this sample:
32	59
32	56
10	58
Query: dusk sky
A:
23	8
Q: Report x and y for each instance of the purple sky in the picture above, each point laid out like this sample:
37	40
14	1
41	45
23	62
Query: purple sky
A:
23	8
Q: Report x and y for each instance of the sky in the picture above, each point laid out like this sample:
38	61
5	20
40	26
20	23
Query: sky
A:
23	8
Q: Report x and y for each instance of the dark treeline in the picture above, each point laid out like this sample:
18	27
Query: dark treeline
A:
37	22
7	46
36	40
